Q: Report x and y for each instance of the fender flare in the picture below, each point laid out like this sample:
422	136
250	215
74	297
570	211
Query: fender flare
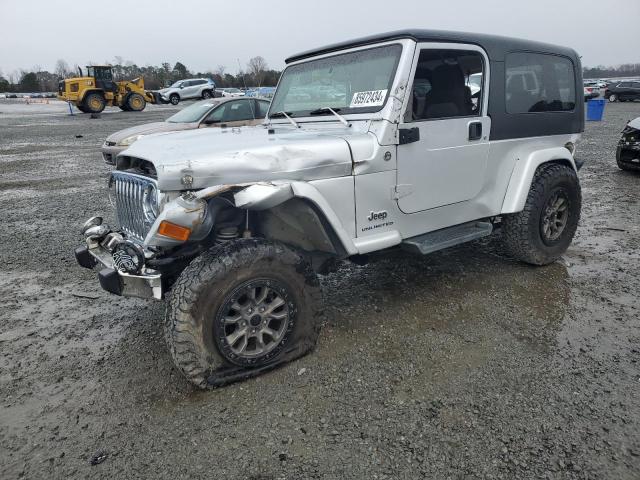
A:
262	196
190	211
523	172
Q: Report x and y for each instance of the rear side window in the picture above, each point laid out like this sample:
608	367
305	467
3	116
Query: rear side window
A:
537	82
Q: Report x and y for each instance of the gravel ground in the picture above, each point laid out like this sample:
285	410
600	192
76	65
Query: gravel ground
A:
462	364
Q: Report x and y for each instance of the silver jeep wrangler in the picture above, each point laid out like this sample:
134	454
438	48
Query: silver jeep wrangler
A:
413	139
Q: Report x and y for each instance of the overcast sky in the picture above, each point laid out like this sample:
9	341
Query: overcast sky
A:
204	34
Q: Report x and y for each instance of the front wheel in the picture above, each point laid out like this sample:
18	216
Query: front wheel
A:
613	97
94	102
240	309
136	102
543	230
206	94
174	99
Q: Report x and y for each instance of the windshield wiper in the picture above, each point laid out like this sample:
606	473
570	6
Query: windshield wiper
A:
286	115
334	111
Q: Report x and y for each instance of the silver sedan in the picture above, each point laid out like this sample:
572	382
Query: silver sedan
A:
215	112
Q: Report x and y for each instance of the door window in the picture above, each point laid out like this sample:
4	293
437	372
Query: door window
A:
216	115
447	84
238	111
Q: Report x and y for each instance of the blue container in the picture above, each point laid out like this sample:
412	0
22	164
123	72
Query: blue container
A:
595	109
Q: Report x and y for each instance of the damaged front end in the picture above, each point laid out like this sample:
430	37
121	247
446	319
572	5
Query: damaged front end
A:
124	270
628	149
160	233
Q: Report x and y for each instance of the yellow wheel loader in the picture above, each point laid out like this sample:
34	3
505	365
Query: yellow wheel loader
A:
96	90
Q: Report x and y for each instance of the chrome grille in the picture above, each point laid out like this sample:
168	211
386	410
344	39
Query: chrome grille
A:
130	193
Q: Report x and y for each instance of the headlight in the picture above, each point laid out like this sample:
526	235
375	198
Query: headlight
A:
125	142
150	202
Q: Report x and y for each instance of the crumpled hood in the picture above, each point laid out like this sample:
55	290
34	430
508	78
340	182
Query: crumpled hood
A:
635	123
148	129
216	156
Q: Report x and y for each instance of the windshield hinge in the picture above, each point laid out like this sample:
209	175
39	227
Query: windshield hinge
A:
402	190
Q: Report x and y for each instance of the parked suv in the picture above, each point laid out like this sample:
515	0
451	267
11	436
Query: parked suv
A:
623	91
230	226
188	89
591	90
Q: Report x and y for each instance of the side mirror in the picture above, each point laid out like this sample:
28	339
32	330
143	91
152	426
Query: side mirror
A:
181	86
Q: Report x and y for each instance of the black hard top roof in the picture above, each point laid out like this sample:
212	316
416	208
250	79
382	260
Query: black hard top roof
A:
495	46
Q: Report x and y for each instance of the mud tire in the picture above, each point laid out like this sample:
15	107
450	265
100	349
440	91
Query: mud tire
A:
200	292
135	102
522	232
94	102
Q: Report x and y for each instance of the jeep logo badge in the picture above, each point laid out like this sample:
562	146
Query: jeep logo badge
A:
377	215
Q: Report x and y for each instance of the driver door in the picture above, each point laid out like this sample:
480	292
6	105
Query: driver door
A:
444	140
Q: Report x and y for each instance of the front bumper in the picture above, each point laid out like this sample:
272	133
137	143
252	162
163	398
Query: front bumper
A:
629	154
148	284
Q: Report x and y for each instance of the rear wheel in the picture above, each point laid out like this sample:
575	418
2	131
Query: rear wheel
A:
136	102
174	98
94	102
543	230
240	309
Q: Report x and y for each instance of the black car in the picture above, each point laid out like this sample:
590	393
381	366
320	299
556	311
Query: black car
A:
628	151
623	91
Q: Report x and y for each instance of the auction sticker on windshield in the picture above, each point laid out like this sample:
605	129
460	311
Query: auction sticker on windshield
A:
372	98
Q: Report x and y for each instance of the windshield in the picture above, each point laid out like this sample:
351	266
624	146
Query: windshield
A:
356	82
177	84
193	113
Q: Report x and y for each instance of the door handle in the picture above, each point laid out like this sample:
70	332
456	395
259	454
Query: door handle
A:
475	130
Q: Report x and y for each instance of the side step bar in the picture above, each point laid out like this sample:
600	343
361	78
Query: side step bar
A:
447	237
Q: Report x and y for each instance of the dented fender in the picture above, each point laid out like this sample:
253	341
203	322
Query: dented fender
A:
262	196
193	210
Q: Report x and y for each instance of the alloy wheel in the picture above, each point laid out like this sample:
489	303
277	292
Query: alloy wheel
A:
554	217
254	319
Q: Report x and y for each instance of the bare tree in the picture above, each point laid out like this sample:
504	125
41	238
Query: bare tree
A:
62	68
257	66
220	69
13	77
